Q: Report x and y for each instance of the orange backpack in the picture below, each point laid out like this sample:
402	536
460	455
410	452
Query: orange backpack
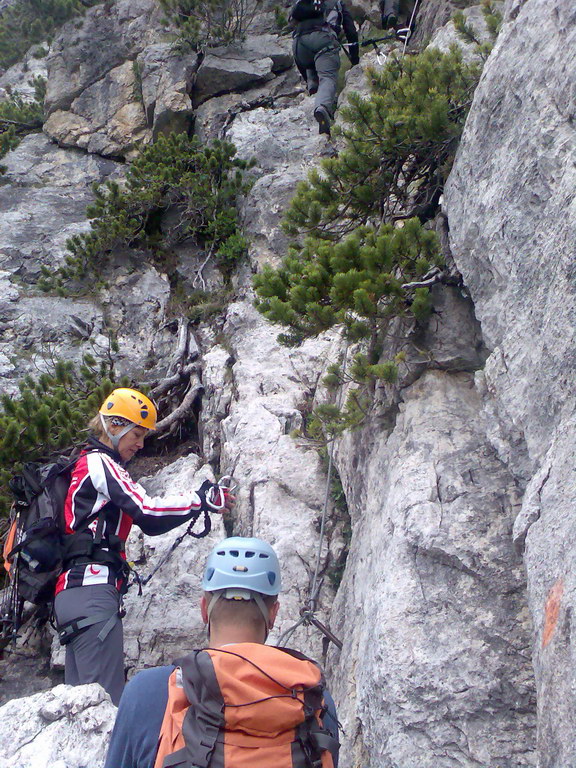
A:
245	706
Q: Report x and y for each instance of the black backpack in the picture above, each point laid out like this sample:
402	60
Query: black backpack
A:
35	559
37	548
324	11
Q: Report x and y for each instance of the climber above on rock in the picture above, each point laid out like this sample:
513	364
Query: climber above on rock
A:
316	48
239	701
398	16
389	13
101	505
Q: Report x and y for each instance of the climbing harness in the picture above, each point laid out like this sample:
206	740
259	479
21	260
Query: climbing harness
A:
71	629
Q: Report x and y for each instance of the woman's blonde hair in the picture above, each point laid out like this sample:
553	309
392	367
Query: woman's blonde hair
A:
96	427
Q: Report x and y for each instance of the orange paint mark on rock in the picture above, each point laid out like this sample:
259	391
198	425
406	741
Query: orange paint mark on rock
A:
552	611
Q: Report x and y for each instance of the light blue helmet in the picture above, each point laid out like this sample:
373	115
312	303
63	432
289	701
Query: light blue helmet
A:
239	563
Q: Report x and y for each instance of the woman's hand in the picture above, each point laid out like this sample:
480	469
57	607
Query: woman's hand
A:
218	496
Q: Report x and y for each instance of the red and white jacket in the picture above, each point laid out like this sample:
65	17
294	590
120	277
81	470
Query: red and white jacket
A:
100	481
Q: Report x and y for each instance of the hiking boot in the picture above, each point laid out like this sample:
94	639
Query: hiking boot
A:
389	21
323	119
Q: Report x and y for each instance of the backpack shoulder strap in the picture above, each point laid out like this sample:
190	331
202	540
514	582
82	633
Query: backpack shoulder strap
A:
202	690
170	738
185	739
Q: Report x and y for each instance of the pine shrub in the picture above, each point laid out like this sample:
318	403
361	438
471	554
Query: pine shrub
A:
357	282
352	262
361	283
209	23
200	183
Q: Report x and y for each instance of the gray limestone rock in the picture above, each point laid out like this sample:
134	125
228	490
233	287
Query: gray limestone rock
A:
61	728
510	254
433	15
218	394
285	144
219	74
135	306
282	484
43	198
446	36
452	338
213	117
435	670
262	46
165	623
96	98
107	118
165	82
86	50
239	67
457	473
510	204
18	78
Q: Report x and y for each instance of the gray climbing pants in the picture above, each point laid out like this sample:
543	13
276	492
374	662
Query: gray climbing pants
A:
317	56
389	8
88	658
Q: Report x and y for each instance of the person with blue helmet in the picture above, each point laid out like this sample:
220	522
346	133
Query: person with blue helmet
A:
241	570
239	606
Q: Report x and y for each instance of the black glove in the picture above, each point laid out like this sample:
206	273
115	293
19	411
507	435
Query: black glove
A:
213	497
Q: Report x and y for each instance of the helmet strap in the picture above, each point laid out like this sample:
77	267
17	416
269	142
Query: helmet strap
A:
115	438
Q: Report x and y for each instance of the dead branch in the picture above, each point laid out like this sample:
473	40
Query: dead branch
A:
169	382
195	388
436	275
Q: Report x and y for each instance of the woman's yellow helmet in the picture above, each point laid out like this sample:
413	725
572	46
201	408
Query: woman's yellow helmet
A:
132	405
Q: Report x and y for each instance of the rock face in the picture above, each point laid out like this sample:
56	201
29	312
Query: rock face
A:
61	728
17	78
88	49
282	483
238	68
93	97
432	606
464	474
43	199
114	83
512	234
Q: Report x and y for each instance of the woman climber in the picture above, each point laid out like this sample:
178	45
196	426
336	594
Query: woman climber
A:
101	505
